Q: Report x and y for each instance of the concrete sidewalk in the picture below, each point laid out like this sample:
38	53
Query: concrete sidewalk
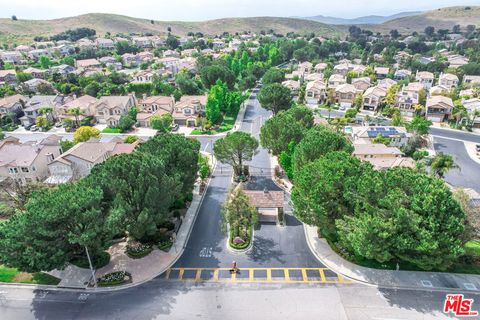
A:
389	278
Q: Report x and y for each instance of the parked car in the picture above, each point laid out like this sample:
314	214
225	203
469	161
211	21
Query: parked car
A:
175	127
34	128
58	125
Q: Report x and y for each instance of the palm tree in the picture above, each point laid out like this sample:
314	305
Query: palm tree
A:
76	113
441	164
48	112
475	114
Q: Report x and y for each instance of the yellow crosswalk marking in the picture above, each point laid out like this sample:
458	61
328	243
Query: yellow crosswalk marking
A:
248	275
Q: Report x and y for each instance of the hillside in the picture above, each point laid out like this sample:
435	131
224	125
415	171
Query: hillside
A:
22	31
444	18
372	19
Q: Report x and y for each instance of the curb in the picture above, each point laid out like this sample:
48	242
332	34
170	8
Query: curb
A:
240	251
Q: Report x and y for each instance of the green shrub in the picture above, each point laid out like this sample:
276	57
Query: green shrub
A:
111	130
165	245
243	245
137	250
114	279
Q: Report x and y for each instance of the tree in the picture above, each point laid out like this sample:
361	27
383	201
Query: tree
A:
402	215
275	97
55	227
186	84
234	149
130	139
319	187
84	133
472	212
41	122
419	125
239	214
172	42
162	123
441	164
126	122
14	18
317	142
285	127
212	73
429	31
273	75
45	62
76	112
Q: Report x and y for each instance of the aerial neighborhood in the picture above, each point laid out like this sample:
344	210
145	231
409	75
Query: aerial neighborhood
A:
257	156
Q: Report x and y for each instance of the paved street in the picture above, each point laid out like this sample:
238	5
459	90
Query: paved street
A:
160	299
273	246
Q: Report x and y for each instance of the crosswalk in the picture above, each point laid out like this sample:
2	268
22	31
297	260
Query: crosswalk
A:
256	275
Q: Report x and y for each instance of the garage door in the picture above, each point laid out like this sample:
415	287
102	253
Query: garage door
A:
267	214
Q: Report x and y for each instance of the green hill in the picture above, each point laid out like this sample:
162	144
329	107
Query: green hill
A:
22	31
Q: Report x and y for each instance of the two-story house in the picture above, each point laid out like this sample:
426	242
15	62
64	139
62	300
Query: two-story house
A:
373	97
439	108
27	162
382	157
12	104
425	78
34	105
8	77
154	106
85	105
408	97
109	109
79	160
335	80
448	80
344	95
362	83
315	92
188	108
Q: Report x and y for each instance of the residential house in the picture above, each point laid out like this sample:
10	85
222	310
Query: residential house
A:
172	64
314	77
456	61
63	69
154	106
402	74
109	109
188	108
64	49
171	54
12	104
104	43
145	56
398	136
386	83
107	60
315	92
320	67
471	81
425	78
218	44
37	53
85	44
79	160
381	72
438	108
23	49
129	59
381	156
426	60
439	90
448	80
408	98
336	80
35	103
472	106
373	97
345	95
27	162
13	57
235	44
8	77
33	85
36	73
144	76
88	63
341	69
361	84
142	42
305	67
85	104
293	85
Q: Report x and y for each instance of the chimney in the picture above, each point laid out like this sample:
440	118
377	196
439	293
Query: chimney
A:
50	157
144	96
265	190
74	96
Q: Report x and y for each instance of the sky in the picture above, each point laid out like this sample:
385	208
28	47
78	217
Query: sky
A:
198	10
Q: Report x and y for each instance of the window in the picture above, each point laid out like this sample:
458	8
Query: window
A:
12	170
34	169
24	169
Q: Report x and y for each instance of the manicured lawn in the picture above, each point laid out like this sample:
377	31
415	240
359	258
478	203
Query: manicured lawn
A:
473	248
226	125
13	275
111	130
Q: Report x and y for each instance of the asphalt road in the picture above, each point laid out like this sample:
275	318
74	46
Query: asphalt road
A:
273	246
161	299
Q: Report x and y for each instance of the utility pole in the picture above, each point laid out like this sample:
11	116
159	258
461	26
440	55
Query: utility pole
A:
91	268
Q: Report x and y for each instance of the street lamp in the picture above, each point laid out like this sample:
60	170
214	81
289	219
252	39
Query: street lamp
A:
91	267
